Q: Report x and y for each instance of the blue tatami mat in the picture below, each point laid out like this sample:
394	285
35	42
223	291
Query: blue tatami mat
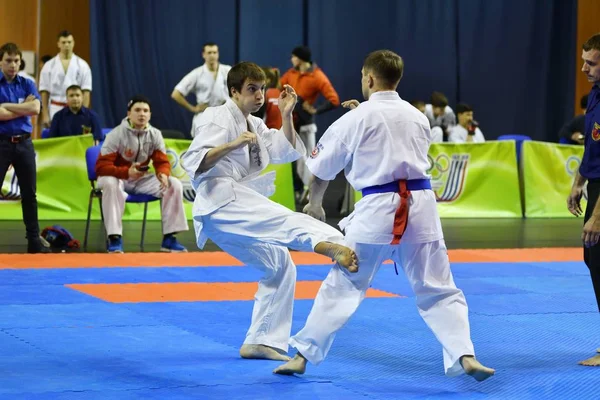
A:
531	321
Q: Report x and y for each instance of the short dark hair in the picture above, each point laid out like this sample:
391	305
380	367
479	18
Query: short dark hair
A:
10	49
22	66
208	44
241	72
593	43
386	65
583	101
138	98
463	108
73	87
438	99
417	103
64	33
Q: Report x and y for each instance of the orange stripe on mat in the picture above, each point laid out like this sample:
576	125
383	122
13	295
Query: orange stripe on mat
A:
219	259
194	291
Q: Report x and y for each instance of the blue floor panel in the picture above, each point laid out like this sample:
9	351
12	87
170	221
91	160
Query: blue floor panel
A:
531	321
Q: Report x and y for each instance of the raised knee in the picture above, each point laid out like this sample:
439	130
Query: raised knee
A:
108	183
175	184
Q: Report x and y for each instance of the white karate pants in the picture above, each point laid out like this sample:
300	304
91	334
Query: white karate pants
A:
258	232
440	303
114	194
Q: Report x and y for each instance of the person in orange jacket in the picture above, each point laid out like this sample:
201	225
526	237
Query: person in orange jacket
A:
308	80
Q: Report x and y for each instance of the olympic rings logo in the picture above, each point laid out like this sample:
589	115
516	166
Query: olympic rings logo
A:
177	170
572	165
439	165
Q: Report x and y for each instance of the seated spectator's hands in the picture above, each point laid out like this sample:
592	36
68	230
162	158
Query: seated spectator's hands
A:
164	181
135	173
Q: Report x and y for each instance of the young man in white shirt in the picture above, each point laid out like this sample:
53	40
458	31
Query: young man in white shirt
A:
467	130
225	161
64	70
208	82
382	146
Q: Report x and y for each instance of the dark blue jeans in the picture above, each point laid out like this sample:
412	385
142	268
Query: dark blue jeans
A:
22	157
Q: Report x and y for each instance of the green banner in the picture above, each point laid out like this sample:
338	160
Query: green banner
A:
548	173
475	180
63	188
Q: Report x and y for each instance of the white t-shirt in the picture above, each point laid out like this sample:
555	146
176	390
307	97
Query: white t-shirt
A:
458	134
383	140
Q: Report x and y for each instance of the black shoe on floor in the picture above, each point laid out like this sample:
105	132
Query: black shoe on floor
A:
35	246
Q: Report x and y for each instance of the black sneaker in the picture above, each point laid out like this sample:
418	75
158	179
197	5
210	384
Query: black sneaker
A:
35	246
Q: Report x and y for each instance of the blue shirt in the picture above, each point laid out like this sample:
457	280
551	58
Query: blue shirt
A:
65	123
16	92
590	164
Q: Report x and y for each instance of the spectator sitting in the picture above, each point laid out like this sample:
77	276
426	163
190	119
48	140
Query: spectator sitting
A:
122	168
574	130
467	130
440	115
76	119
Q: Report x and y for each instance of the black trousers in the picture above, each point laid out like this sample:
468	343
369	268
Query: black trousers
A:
22	157
591	255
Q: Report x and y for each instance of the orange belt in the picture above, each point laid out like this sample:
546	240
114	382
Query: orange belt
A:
58	103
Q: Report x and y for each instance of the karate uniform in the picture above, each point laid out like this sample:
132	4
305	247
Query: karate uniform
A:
55	81
232	209
382	141
208	89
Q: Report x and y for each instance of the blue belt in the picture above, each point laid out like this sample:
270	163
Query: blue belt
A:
411	184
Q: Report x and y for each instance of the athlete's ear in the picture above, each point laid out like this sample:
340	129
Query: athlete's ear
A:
232	91
371	81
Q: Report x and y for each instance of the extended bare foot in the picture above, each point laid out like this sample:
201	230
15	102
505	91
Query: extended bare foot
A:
343	255
262	352
474	368
296	365
591	362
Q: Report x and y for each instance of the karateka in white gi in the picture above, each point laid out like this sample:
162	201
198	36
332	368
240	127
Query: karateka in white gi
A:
208	82
382	145
225	160
58	74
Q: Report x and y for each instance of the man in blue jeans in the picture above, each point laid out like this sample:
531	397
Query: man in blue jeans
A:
19	100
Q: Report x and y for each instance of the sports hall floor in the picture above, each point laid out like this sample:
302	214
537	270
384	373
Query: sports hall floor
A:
169	326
